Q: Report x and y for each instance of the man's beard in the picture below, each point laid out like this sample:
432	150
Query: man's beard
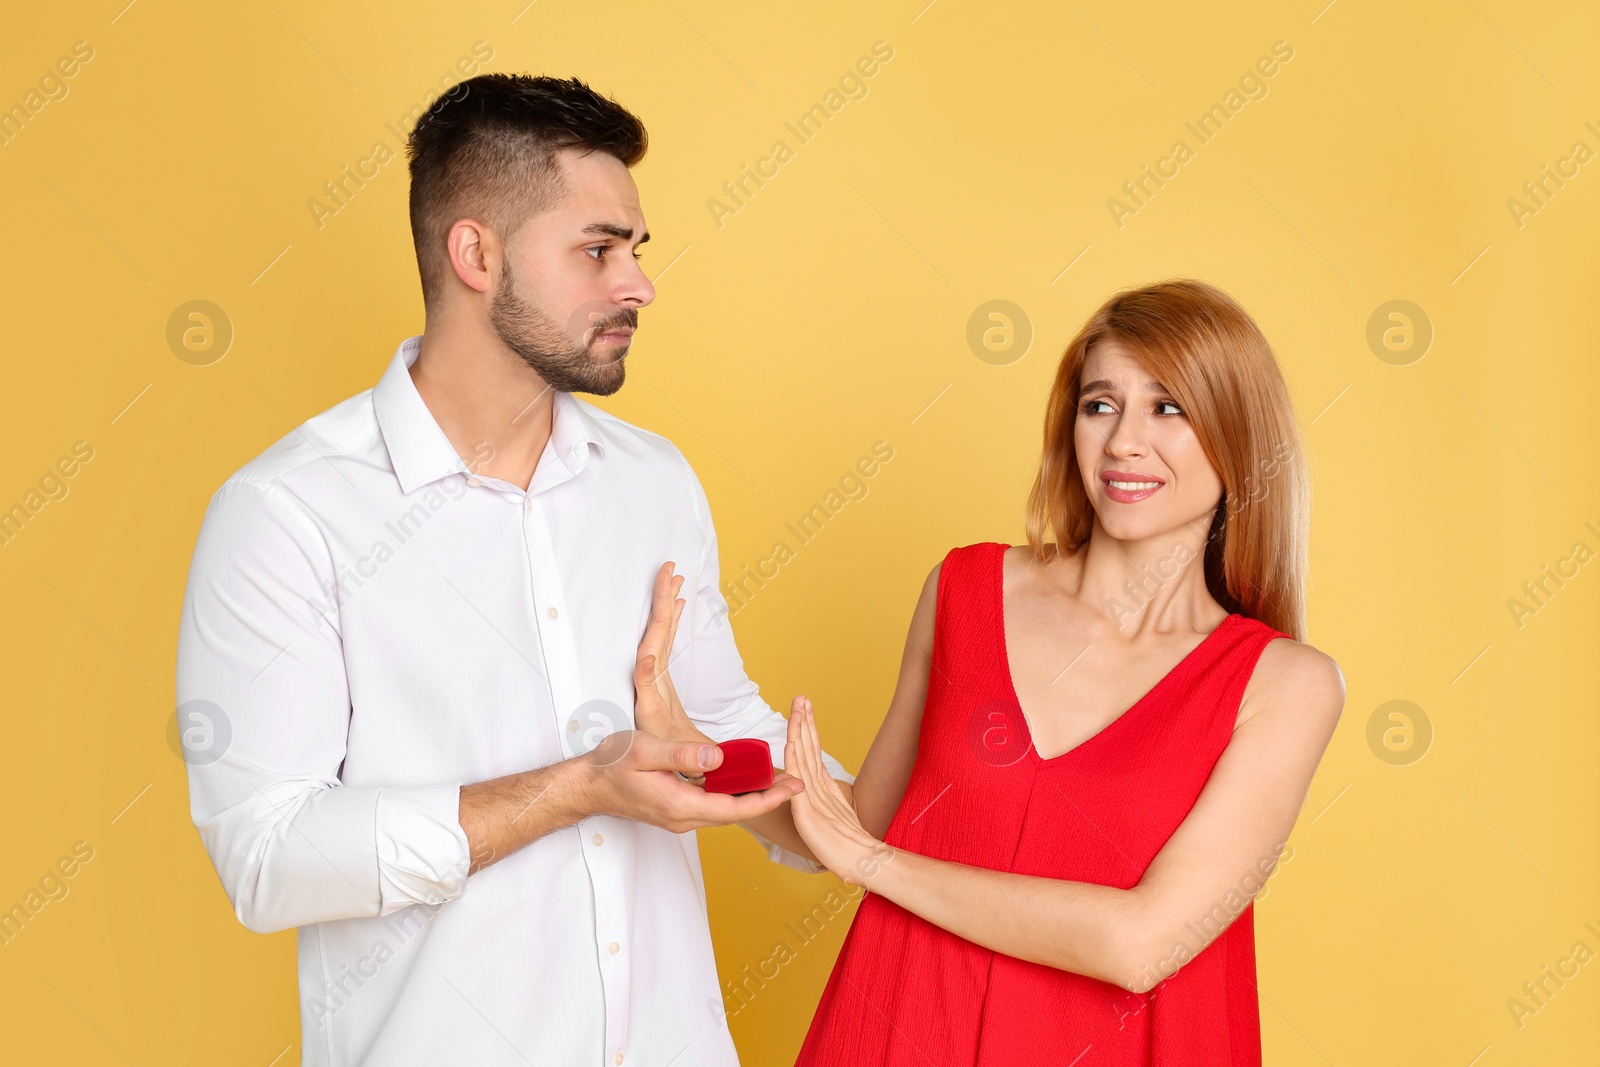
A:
566	363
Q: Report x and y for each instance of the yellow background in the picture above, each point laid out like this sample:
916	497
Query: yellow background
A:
825	315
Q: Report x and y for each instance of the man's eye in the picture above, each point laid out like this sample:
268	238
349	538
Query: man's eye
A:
600	251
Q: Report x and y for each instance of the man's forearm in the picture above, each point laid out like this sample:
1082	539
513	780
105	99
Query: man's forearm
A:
778	826
503	815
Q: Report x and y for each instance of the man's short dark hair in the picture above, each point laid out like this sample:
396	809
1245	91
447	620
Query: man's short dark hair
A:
487	150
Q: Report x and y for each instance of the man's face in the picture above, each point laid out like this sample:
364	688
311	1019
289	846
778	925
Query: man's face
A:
570	285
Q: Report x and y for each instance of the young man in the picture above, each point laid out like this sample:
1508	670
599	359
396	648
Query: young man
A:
398	667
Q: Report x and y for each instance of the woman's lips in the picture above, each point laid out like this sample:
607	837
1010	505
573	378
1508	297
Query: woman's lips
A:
1130	495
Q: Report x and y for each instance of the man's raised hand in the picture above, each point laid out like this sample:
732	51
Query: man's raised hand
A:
656	707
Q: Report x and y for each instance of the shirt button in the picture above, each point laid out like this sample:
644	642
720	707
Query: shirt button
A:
572	726
617	1059
613	948
599	839
473	482
527	505
553	612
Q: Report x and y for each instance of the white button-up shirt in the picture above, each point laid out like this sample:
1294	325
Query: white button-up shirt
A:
367	627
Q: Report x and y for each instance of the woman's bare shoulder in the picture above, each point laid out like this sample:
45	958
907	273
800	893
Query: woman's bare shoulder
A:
1295	677
1019	562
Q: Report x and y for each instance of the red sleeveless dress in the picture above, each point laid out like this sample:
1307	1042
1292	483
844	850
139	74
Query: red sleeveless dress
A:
906	992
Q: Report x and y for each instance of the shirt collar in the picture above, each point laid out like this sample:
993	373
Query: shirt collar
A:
418	448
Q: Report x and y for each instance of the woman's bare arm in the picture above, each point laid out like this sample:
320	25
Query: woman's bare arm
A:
1197	884
881	784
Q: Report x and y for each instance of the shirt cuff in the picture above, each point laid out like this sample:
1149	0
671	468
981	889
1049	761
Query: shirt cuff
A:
423	854
778	854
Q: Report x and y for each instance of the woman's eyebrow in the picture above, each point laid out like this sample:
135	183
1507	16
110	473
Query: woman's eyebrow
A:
1106	383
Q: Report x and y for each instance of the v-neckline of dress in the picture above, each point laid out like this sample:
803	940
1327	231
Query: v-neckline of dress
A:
1011	685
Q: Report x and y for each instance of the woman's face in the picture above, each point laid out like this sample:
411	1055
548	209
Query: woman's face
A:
1142	465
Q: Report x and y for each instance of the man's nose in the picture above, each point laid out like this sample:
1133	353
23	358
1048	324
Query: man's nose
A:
635	289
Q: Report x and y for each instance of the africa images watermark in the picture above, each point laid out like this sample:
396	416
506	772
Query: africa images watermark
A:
53	486
739	589
352	575
1140	593
738	994
1538	191
1538	592
1252	85
53	87
1537	992
342	188
1204	930
401	928
52	886
851	85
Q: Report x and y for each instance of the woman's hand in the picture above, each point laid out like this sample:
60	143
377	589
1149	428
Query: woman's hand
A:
656	707
823	814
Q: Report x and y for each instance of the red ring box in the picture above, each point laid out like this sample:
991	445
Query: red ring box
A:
746	767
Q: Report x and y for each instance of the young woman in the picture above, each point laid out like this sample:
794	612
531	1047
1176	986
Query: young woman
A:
1100	740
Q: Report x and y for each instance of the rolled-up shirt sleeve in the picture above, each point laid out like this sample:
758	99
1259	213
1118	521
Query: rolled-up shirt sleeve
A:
721	699
263	714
